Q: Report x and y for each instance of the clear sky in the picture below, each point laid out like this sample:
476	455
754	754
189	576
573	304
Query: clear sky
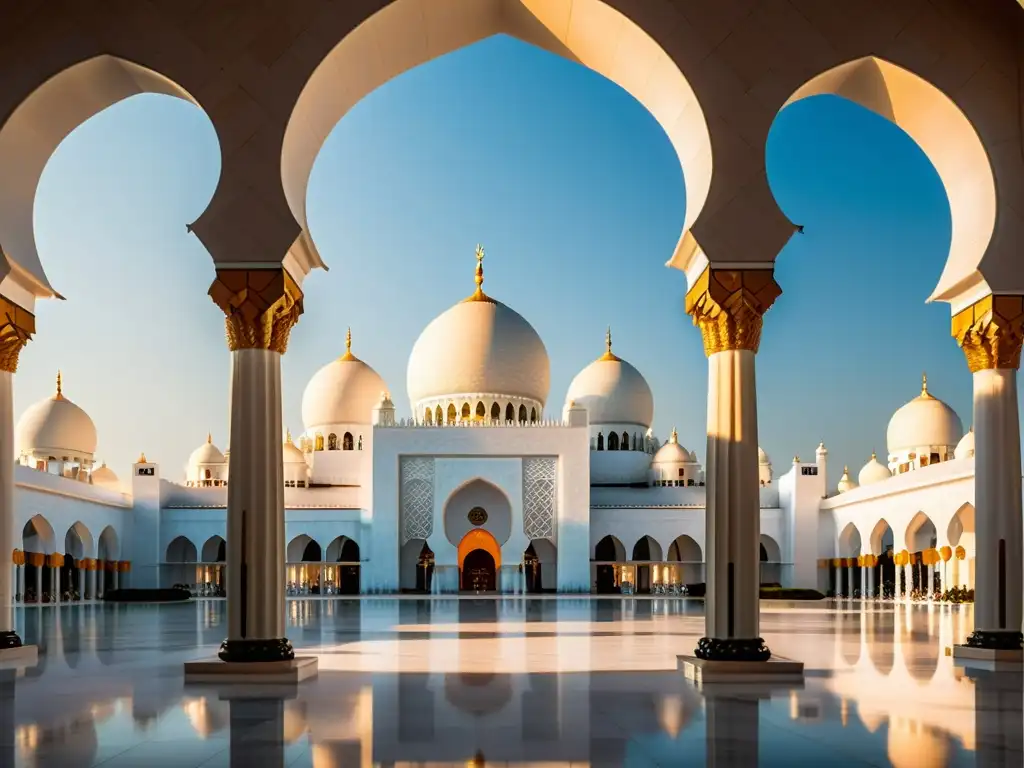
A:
577	196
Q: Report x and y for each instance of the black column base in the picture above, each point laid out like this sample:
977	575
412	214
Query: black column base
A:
10	639
278	649
996	640
732	649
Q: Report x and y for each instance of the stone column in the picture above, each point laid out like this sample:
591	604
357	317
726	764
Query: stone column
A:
55	590
864	587
261	306
92	581
871	581
728	306
21	583
849	581
931	582
16	328
990	333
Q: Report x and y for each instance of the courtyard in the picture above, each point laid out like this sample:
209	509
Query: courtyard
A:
506	681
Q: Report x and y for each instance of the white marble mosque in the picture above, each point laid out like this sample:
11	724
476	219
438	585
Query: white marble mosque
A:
483	490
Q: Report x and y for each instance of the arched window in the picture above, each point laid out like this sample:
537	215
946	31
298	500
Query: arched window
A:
207	474
346	442
481	410
613	441
533	415
439	415
428	417
522	414
465	410
600	441
510	413
495	412
624	446
332	442
452	416
319	441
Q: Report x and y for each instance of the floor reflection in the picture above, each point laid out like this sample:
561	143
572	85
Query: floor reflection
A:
505	682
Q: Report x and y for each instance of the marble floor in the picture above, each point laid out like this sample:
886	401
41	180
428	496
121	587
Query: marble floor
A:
505	682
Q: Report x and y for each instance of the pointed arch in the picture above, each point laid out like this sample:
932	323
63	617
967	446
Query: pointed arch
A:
78	541
613	441
481	410
522	414
109	547
770	550
881	539
849	541
452	414
439	416
466	411
920	533
510	412
428	416
347	442
685	549
961	523
37	536
214	550
647	548
495	412
181	550
624	443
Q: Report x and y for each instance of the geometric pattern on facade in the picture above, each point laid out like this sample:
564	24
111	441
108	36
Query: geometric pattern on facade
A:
417	497
539	476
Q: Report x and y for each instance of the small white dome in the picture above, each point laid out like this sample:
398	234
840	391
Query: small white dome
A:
873	472
924	421
478	346
104	477
56	426
344	391
672	452
846	483
207	453
965	448
613	391
292	453
762	457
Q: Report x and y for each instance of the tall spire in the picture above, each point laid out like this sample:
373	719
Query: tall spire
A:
60	392
608	354
675	436
924	385
479	294
348	346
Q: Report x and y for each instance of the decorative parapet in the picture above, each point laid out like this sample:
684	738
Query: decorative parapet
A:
540	424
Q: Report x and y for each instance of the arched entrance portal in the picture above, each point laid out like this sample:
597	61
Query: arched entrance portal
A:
479	560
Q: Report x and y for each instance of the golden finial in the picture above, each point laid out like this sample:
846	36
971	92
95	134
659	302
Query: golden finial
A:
479	294
608	354
142	458
796	459
209	438
846	470
287	435
873	456
924	385
675	436
60	391
348	346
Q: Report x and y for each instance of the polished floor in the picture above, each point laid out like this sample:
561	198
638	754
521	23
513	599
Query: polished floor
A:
505	682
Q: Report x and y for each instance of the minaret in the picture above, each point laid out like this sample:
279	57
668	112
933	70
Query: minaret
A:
821	454
145	534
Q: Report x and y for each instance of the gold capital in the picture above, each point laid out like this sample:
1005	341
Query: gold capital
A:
728	306
261	306
990	332
16	328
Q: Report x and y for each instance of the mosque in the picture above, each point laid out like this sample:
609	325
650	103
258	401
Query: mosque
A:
481	491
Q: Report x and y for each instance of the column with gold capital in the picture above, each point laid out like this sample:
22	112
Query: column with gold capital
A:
16	327
990	333
728	305
261	306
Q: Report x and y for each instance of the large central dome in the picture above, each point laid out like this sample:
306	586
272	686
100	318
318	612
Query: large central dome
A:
478	347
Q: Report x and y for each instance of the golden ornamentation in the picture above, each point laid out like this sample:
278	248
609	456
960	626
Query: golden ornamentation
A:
348	347
142	459
16	328
946	553
990	332
608	354
60	388
728	306
479	294
261	306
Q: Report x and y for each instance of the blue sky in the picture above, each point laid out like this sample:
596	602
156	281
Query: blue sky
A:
577	196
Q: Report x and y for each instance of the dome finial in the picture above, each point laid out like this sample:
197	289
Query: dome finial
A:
287	435
608	354
924	383
209	438
348	346
479	294
60	392
674	438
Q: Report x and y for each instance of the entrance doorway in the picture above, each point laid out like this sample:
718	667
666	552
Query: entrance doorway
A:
479	572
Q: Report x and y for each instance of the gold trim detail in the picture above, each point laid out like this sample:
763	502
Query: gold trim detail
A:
261	307
17	326
479	294
608	354
990	332
728	306
348	348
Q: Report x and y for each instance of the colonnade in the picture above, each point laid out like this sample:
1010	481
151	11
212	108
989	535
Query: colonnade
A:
727	305
927	572
39	578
